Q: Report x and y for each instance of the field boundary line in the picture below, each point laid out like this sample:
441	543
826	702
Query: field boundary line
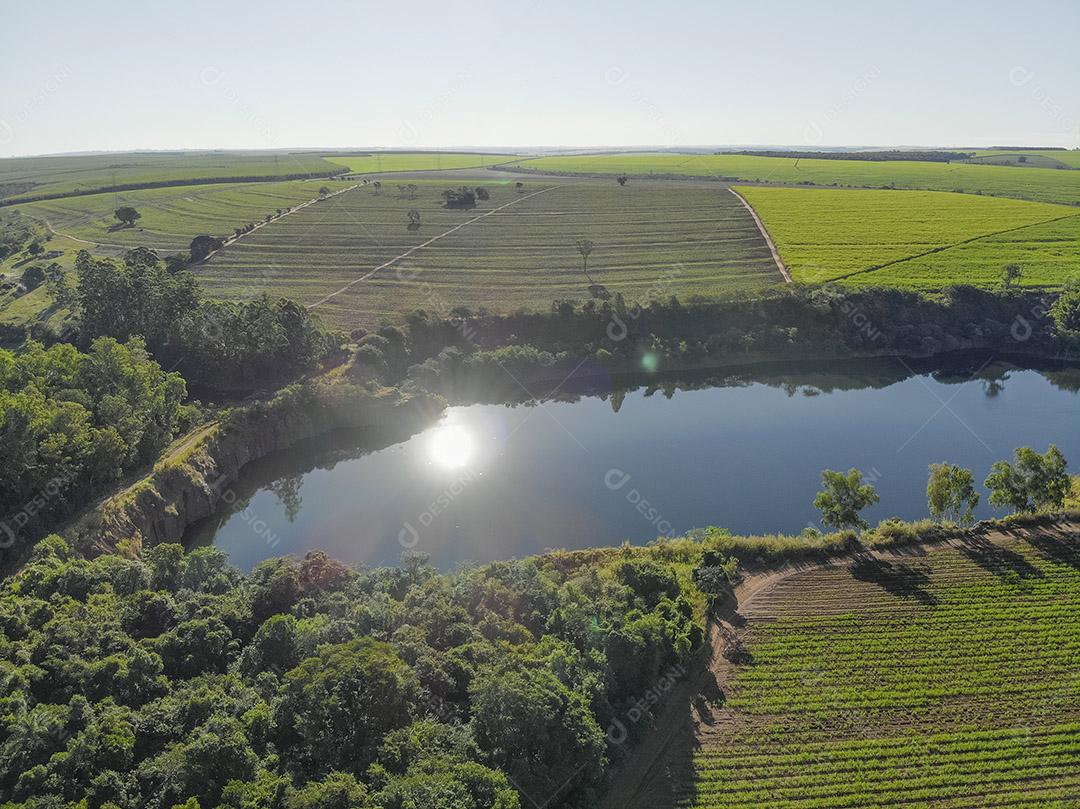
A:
225	243
429	242
231	240
765	234
945	247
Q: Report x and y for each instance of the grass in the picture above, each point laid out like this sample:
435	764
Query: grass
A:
172	216
949	679
657	238
417	161
880	237
1039	184
34	177
21	309
1053	158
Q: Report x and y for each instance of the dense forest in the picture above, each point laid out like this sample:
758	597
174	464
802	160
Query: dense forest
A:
173	680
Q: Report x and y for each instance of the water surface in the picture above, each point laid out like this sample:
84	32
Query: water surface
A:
744	452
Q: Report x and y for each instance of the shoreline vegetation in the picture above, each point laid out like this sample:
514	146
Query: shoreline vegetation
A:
590	348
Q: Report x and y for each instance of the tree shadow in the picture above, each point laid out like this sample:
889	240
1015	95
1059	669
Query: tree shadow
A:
899	580
999	561
1064	550
599	291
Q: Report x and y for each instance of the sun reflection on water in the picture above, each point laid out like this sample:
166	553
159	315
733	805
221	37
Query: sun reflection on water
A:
451	446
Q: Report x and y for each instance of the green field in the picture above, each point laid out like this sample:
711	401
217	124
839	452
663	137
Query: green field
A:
376	162
658	238
1041	184
172	216
34	177
1053	158
827	234
946	680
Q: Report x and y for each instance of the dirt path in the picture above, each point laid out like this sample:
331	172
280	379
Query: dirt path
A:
429	242
643	781
55	232
765	234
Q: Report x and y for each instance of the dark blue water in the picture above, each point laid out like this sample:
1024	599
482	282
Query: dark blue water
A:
495	481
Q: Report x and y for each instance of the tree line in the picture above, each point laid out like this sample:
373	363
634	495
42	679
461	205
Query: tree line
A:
1033	482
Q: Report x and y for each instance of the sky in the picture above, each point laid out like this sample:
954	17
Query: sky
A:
115	75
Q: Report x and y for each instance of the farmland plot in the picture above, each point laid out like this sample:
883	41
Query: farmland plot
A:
171	217
516	249
417	161
947	680
1039	184
917	239
33	177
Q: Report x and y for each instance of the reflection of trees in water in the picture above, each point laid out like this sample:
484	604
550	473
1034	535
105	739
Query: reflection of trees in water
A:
1067	380
287	491
809	379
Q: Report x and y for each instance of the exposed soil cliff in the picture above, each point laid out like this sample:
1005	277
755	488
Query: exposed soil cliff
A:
196	474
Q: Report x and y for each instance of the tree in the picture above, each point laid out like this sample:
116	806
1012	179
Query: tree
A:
585	247
175	263
33	277
57	284
537	731
324	192
843	498
622	179
414	219
1034	482
950	493
202	246
519	185
127	216
336	706
35	248
377	186
1066	313
1010	274
460	198
482	193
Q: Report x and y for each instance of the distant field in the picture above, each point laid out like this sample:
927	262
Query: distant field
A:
417	161
826	234
171	217
1048	159
1041	184
32	177
655	238
947	680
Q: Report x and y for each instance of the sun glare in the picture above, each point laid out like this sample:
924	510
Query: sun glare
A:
451	446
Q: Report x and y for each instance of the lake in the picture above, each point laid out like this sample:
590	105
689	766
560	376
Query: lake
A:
743	451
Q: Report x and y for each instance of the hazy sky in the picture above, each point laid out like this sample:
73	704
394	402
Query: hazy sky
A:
108	74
